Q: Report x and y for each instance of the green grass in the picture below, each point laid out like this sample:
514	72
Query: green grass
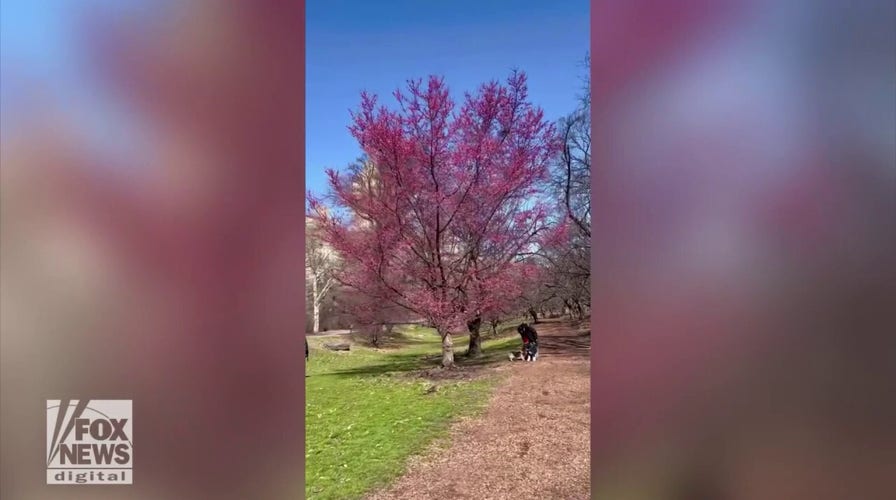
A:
364	417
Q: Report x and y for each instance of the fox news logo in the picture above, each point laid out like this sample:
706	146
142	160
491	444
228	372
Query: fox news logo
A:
89	441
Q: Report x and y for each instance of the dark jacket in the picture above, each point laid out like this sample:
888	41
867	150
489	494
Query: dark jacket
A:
528	333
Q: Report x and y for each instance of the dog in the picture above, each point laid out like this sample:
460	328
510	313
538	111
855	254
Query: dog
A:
528	353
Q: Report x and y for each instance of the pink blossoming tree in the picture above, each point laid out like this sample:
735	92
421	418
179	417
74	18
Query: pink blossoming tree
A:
450	199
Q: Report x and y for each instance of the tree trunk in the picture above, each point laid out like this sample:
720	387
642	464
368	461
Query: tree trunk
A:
447	350
495	324
315	307
580	312
375	335
475	347
534	315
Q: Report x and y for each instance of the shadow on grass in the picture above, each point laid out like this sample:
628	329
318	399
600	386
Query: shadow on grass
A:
390	341
557	340
493	352
391	363
416	335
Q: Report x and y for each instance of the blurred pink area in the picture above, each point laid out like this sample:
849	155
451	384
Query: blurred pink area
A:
744	274
173	275
745	250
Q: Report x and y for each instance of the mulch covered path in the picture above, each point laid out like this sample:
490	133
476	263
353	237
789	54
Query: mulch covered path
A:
532	442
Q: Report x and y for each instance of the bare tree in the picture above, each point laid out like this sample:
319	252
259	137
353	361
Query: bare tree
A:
569	265
572	175
320	262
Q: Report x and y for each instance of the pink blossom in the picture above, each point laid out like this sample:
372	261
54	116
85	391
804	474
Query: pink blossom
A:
456	197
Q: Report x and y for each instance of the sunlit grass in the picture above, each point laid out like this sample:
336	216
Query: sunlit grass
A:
366	413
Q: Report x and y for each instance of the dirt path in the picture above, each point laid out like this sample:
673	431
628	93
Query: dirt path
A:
533	442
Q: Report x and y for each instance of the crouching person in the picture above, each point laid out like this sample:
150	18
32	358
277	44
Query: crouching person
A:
530	342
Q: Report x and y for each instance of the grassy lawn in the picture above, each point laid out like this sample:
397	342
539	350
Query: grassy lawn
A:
364	416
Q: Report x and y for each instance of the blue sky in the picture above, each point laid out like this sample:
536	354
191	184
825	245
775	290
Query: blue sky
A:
352	45
42	48
35	44
355	45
